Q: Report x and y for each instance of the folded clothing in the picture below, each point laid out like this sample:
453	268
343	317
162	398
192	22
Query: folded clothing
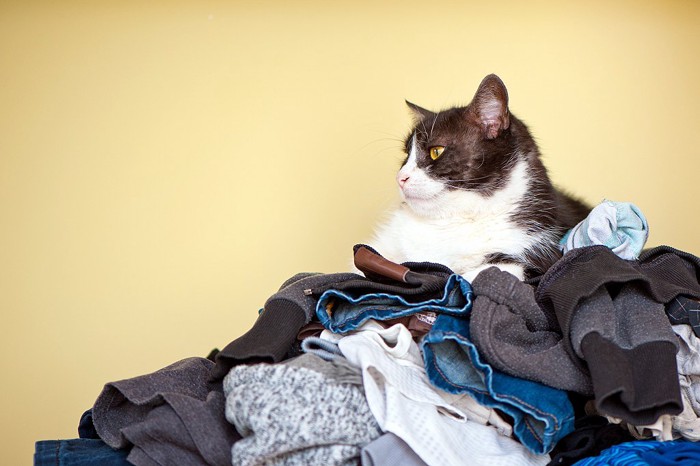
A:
620	226
629	347
292	414
541	415
273	336
613	323
274	333
171	416
518	337
78	452
342	311
441	428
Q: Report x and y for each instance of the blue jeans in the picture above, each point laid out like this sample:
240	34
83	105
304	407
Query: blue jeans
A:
541	415
340	312
78	452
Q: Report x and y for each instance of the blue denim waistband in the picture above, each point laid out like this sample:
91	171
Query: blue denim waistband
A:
340	312
541	415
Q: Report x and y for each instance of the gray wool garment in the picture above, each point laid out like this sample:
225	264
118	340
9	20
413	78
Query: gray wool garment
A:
171	416
516	336
630	319
294	289
289	414
129	401
630	348
275	331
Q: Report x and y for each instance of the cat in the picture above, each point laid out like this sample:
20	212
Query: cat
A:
475	193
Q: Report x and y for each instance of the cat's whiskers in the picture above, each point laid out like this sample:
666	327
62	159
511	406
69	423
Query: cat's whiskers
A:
425	130
376	141
383	150
390	136
461	188
468	180
432	127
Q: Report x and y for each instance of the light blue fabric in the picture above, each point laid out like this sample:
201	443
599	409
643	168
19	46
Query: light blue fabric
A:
541	415
324	349
647	453
341	313
621	226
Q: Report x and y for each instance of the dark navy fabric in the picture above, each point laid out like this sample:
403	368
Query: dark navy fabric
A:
86	428
78	452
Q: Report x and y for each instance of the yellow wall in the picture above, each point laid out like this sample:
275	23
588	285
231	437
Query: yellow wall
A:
164	167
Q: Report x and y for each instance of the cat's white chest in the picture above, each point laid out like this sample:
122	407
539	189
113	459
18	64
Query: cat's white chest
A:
460	229
462	244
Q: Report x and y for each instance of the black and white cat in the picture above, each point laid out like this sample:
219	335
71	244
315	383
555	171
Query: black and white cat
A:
475	193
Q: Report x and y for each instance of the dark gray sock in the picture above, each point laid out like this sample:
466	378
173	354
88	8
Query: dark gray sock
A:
518	337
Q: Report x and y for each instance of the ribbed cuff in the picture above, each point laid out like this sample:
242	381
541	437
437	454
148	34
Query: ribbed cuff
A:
636	385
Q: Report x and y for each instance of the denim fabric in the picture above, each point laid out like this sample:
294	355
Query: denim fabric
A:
341	312
541	415
324	349
78	452
647	453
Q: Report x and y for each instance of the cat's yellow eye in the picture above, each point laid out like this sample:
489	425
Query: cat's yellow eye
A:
436	152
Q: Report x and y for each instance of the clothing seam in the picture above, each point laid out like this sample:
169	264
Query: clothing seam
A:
547	415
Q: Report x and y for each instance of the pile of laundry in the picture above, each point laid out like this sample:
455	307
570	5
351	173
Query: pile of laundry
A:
596	362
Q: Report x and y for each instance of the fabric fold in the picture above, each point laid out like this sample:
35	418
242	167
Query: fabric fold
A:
518	337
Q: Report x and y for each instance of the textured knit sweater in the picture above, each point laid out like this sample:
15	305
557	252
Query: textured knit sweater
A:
611	313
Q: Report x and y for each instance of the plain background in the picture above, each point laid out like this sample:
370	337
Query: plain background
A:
165	166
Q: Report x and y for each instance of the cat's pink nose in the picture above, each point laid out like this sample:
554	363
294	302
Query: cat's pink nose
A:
402	179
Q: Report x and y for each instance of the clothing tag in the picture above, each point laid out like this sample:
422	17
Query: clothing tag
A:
427	317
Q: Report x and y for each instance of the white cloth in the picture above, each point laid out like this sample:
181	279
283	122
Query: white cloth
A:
442	429
687	423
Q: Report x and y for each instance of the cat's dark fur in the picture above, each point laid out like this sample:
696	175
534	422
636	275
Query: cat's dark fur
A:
489	175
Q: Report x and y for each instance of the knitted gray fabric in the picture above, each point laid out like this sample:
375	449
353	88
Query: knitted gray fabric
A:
630	348
518	337
296	416
275	331
294	290
129	401
337	370
630	319
171	416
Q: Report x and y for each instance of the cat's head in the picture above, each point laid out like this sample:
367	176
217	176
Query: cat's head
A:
462	155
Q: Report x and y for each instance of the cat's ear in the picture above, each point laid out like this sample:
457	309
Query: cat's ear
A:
489	108
419	113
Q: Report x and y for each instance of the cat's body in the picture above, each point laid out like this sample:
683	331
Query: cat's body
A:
475	193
